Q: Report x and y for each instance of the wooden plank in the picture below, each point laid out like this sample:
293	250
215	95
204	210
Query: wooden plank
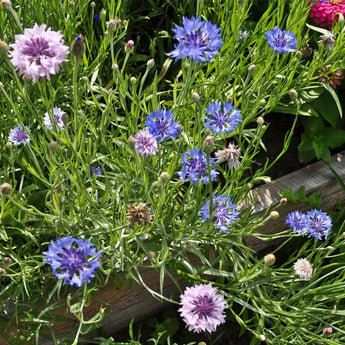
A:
316	177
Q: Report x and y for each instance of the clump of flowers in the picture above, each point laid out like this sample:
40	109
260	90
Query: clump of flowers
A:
330	78
314	223
222	119
145	143
161	125
38	53
303	269
202	308
195	167
197	40
56	119
230	155
19	135
73	260
222	211
138	213
281	41
323	12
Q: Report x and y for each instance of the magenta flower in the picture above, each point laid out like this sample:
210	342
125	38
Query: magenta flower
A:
38	52
145	143
202	308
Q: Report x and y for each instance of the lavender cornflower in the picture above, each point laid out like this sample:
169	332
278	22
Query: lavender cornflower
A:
222	119
202	308
96	171
19	135
224	212
161	125
194	166
319	224
145	143
197	40
38	52
57	116
72	259
281	41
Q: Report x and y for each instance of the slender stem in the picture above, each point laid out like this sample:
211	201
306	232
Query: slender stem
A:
75	101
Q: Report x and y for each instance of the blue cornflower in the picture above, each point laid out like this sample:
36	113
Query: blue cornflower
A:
224	212
314	223
97	17
72	259
319	224
298	222
19	135
96	171
222	119
194	167
242	35
161	125
281	41
57	116
198	40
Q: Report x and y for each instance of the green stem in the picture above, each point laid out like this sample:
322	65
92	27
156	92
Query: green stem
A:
75	101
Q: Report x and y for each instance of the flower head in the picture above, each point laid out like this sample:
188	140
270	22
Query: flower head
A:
138	213
281	41
223	212
96	171
222	119
303	269
56	119
230	155
73	260
18	135
197	40
323	12
242	35
194	167
202	308
328	40
314	223
161	125
330	78
145	143
38	52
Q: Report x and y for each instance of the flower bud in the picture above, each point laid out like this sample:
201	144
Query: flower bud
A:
195	97
165	177
283	201
9	145
269	259
328	331
114	66
2	271
251	69
274	215
129	47
103	14
180	128
7	260
151	255
53	145
208	146
3	48
78	47
6	4
131	141
262	338
5	188
93	4
58	222
150	63
293	94
113	25
65	118
133	80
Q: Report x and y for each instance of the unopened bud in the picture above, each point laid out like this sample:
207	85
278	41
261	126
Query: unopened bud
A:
229	99
274	215
262	338
269	259
129	47
92	4
150	63
5	188
2	271
328	331
58	222
133	80
195	97
7	260
103	14
6	4
208	145
151	255
293	94
3	48
53	145
165	177
283	200
131	141
113	24
65	118
180	128
78	47
251	69
260	121
114	67
9	145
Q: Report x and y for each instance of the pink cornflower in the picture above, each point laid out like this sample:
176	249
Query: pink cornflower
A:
145	143
323	11
38	52
303	269
202	308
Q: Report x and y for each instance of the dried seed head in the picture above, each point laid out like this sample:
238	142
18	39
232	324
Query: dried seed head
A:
328	40
230	155
138	213
306	51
